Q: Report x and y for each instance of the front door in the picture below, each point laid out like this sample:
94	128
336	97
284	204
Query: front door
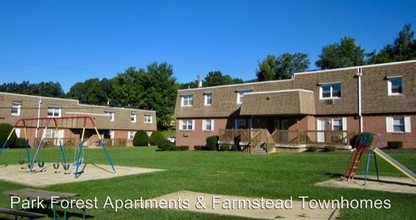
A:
323	125
282	125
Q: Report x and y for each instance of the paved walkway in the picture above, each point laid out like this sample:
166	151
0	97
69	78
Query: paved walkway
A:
47	176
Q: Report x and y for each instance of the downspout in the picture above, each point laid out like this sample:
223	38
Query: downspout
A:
360	117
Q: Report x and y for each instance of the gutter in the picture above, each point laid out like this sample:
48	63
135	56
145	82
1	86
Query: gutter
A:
360	117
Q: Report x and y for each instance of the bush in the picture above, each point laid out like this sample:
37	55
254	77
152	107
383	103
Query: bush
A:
20	143
156	138
394	144
329	148
179	148
212	143
165	145
199	147
5	130
141	138
312	148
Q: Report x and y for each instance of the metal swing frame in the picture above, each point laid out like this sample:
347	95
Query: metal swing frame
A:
79	160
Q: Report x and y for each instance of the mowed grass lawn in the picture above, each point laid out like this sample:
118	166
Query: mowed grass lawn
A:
275	176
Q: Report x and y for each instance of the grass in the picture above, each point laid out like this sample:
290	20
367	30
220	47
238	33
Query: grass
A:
276	176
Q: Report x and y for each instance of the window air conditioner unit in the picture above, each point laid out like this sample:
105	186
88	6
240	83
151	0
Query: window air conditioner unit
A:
329	101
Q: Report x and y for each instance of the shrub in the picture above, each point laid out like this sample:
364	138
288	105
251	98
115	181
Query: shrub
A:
141	138
179	148
212	143
329	148
394	144
199	147
5	130
312	148
165	145
156	138
20	143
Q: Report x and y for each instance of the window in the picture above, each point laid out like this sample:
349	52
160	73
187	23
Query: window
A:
208	125
398	124
110	114
130	135
54	112
395	85
187	100
16	108
148	118
133	117
186	125
207	98
48	133
330	90
339	124
240	95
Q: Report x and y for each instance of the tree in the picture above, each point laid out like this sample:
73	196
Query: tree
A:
403	48
282	67
48	89
159	92
344	54
216	78
93	92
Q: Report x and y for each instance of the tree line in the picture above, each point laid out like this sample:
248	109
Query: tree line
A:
155	86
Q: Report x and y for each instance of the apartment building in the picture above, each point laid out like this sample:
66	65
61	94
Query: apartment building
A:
116	125
317	107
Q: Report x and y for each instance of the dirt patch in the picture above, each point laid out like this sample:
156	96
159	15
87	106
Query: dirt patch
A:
257	208
48	175
387	184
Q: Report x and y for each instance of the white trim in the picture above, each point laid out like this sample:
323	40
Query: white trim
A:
389	124
206	98
204	124
181	123
389	86
407	124
189	97
86	113
355	67
279	91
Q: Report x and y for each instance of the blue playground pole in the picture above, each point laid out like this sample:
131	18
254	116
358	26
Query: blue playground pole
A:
107	155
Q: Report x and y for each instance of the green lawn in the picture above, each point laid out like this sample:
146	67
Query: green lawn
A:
275	176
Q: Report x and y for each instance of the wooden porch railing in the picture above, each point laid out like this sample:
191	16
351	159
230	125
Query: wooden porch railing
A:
255	136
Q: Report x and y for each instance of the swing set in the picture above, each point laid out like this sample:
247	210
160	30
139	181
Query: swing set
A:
51	127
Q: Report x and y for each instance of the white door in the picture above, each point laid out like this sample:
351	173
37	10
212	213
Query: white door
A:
323	125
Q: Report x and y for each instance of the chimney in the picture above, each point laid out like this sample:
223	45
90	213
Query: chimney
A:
199	81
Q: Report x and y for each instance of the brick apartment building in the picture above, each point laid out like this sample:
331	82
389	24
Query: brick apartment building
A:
317	107
116	125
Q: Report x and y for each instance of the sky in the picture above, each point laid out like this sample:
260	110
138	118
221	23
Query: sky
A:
70	41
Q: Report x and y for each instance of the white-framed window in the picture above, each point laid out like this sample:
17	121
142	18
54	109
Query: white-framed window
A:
110	114
187	100
54	111
395	85
16	106
339	124
48	133
240	95
207	125
398	124
330	90
186	125
208	98
148	118
130	135
133	117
